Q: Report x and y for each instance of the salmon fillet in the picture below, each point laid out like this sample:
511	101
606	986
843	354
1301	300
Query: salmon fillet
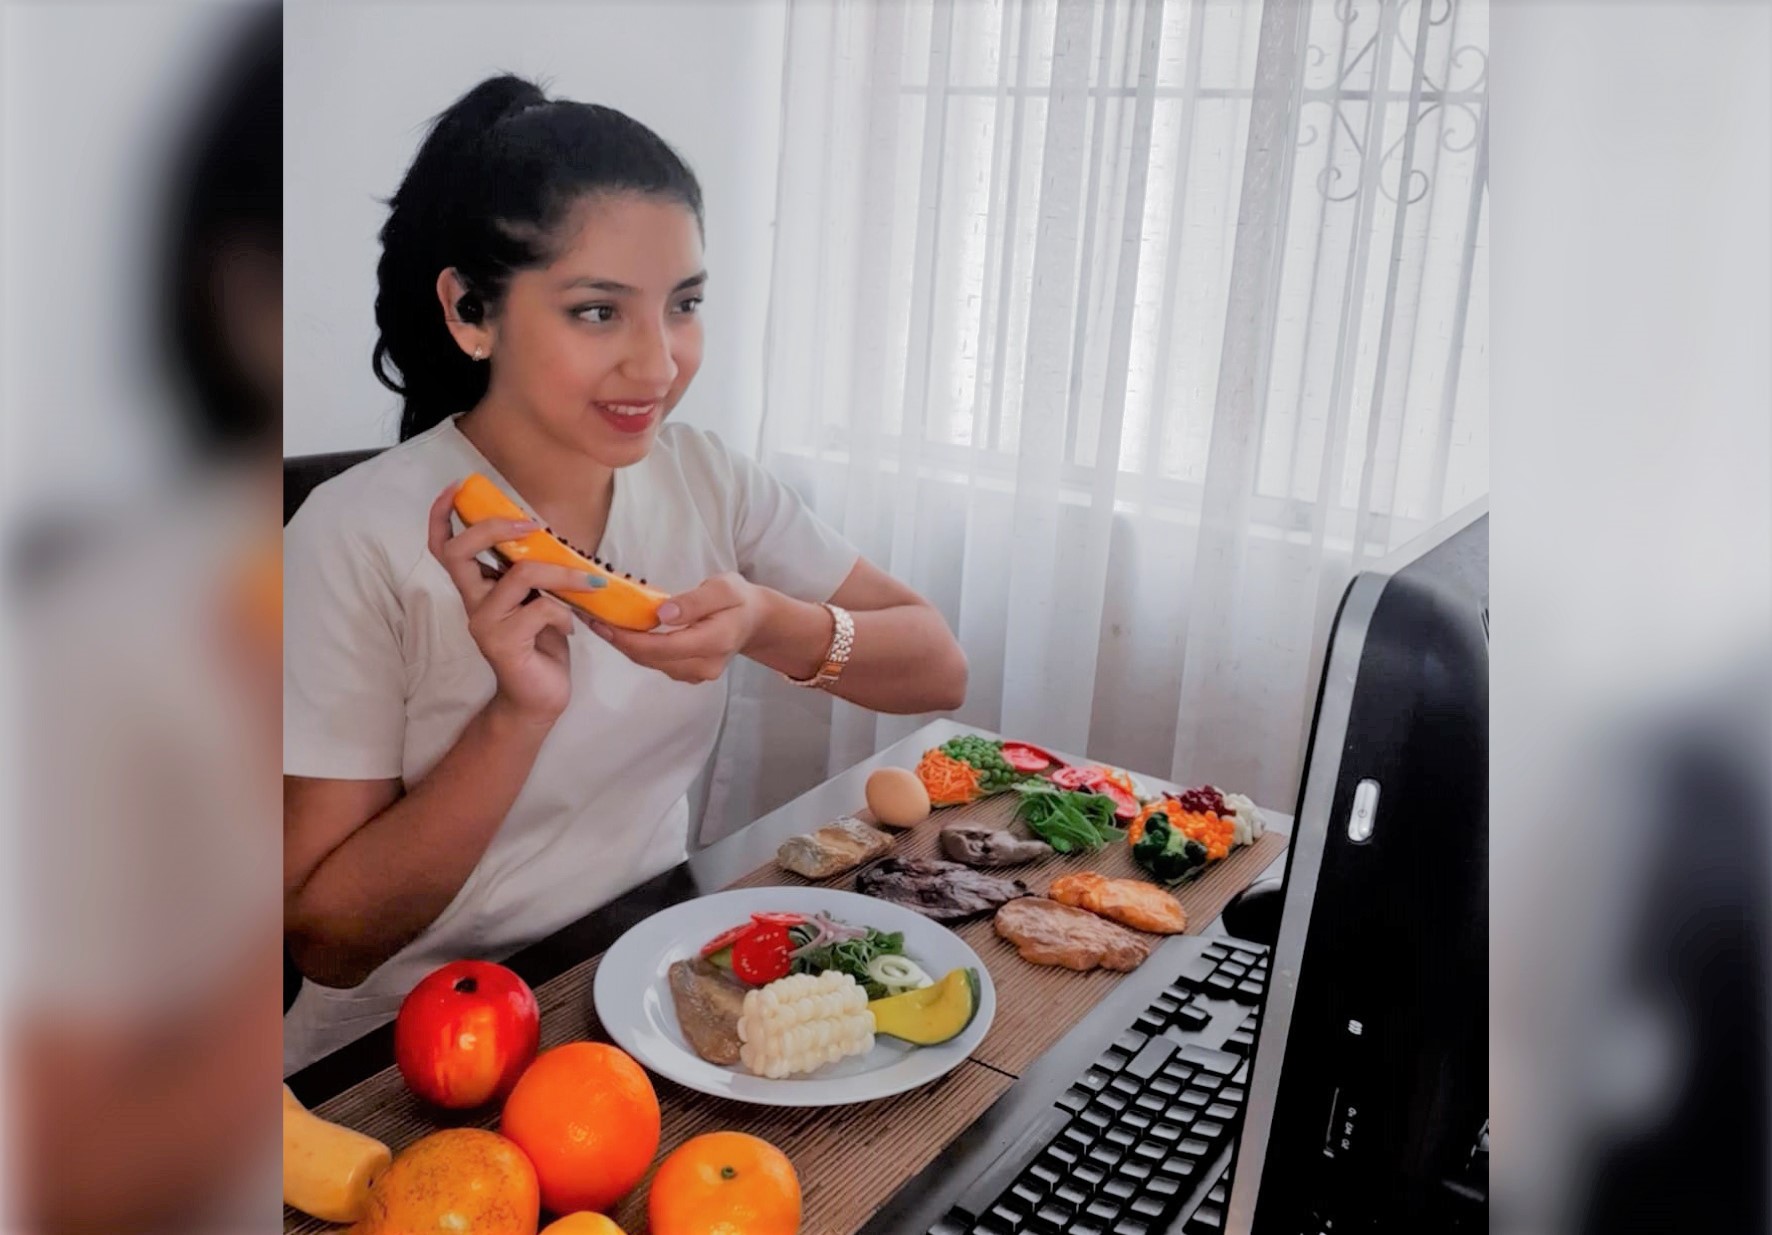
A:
1048	933
1130	902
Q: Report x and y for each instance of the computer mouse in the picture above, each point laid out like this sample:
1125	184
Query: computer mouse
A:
1254	913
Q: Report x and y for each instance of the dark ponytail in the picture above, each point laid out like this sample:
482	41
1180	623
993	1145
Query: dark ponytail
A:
496	176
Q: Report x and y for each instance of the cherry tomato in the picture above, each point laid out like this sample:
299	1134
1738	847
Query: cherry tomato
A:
727	939
778	919
762	956
1026	757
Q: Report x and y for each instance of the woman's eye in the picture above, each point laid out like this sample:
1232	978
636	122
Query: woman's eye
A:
689	304
596	313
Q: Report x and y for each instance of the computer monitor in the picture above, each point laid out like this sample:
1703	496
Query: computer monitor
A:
1368	1096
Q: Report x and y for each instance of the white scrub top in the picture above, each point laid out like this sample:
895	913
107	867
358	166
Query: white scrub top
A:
381	677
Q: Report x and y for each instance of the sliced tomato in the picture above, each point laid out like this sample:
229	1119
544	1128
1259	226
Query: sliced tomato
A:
1075	779
1126	806
761	957
778	919
727	938
1026	757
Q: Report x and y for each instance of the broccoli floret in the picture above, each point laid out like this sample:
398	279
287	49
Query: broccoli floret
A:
1170	855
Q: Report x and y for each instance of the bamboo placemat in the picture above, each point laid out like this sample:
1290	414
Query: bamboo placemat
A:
849	1160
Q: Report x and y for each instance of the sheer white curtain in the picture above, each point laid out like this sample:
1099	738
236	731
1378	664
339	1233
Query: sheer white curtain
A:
1125	330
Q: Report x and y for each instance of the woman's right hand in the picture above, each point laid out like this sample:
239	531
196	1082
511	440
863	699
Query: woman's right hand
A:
523	639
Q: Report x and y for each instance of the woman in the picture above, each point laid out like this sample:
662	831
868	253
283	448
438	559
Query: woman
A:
469	764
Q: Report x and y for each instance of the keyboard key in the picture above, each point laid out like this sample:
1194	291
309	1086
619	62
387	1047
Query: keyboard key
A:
1197	971
1178	1167
1079	1136
1096	1116
1151	1151
1209	1129
1195	1098
1137	1121
1191	1019
1152	1056
1105	1155
1055	1215
1211	1082
1168	1086
1181	1113
1066	1156
1232	969
1234	1095
1220	986
951	1224
1131	1226
1221	1111
1113	1100
1004	1220
1163	1186
1120	1188
1220	1191
1240	1043
1178	1070
1210	1060
1126	1084
1103	1210
1084	1226
1071	1195
1193	1147
1074	1099
1089	1177
1216	952
1024	1197
1149	1207
1130	1042
1149	1023
1135	1168
1095	1079
1044	1175
1121	1138
1166	1006
1168	1133
1207	1220
1247	992
1155	1103
1112	1060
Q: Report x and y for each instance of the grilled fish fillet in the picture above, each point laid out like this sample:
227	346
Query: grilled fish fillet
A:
1130	902
1048	933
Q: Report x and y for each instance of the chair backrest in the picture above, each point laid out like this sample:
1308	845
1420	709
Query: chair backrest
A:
301	473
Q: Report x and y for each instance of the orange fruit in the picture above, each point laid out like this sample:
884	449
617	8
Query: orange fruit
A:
463	1180
582	1224
725	1183
587	1116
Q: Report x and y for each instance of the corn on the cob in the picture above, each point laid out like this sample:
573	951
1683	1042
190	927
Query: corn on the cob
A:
802	1022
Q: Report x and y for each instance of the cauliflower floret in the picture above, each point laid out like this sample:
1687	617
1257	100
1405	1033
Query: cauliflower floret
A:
1246	822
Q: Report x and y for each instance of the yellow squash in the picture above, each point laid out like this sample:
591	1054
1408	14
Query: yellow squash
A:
621	602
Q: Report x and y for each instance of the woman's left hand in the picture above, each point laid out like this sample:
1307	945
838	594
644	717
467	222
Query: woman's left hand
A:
717	620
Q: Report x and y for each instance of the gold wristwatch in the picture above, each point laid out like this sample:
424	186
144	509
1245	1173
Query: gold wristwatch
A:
842	643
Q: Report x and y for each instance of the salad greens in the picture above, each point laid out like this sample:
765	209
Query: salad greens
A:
850	956
1065	820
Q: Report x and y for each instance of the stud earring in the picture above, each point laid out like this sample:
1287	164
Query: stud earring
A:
479	353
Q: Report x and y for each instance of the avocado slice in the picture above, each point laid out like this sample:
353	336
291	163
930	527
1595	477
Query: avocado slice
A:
931	1015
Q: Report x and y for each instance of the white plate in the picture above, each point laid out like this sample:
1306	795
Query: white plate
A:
633	998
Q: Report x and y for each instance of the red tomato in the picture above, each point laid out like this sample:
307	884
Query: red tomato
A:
727	938
1025	757
777	919
1125	805
465	1033
762	956
1076	779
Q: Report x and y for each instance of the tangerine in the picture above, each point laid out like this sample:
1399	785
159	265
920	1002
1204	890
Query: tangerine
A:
582	1224
725	1183
461	1179
587	1116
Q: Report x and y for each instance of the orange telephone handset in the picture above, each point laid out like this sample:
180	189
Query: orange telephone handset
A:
620	602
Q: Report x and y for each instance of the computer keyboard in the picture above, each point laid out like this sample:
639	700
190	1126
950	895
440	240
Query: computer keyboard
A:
1142	1138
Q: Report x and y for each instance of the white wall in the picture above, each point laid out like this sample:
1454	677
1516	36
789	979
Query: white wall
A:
361	81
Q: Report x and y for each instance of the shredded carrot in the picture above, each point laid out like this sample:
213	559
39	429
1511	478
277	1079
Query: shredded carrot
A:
950	781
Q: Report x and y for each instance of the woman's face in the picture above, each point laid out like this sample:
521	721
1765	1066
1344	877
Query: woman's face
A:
599	345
